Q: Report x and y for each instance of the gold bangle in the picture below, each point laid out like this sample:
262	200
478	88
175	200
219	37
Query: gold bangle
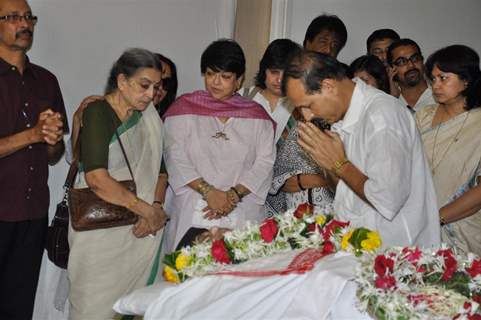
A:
132	203
204	188
442	220
338	165
160	203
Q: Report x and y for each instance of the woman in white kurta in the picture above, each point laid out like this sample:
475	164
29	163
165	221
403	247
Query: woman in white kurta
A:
220	161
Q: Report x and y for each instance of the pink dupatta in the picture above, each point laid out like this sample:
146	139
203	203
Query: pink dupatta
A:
203	104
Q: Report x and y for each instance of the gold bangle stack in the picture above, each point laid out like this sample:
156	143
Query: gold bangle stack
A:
204	188
338	165
442	220
132	203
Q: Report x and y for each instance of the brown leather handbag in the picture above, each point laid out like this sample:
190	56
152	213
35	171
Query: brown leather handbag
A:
89	212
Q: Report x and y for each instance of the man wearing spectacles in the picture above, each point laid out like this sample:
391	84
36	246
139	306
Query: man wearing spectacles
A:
32	124
407	66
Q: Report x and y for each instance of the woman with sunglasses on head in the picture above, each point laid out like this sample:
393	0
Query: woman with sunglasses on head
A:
105	264
450	132
167	92
220	163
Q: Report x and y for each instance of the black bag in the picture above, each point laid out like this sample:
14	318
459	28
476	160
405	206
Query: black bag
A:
57	234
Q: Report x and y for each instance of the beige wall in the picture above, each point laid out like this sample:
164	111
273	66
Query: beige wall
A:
252	29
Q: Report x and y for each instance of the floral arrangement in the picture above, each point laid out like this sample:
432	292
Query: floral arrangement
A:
409	283
295	229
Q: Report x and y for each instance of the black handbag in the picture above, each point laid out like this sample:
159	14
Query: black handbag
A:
57	235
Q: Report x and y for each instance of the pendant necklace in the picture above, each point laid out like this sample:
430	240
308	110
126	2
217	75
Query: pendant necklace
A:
221	134
435	165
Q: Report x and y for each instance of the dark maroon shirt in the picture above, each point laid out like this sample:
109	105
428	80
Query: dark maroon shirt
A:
24	193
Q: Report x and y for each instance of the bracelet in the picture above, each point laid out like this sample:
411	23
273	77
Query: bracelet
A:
159	202
338	165
236	193
204	188
442	220
299	184
132	203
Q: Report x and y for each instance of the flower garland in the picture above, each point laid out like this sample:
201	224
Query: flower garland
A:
295	229
409	283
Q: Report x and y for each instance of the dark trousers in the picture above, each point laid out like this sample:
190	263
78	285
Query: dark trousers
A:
21	249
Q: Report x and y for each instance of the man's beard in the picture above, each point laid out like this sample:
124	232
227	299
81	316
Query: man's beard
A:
413	77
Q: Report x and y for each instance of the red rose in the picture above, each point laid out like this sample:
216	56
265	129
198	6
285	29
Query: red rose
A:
450	263
268	230
474	317
412	256
332	227
328	247
383	265
303	209
385	282
311	227
219	251
475	268
476	298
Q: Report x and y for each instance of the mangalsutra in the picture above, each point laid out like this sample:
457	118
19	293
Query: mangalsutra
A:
221	134
434	165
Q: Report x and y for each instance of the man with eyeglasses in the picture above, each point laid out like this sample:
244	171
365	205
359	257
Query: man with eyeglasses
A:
406	60
32	124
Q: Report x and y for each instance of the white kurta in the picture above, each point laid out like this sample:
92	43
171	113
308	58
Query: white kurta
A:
281	114
246	158
425	99
381	139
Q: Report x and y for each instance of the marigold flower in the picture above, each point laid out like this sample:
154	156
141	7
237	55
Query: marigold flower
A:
182	261
372	242
320	219
171	275
345	240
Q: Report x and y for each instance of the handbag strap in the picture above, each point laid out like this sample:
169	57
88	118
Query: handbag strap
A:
72	172
125	155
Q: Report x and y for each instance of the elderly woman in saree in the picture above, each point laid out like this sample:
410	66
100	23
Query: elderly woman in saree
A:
220	161
105	264
450	132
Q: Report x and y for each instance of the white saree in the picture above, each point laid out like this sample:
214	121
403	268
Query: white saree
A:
108	263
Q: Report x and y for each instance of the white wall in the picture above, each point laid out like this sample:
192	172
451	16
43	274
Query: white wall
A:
431	23
79	41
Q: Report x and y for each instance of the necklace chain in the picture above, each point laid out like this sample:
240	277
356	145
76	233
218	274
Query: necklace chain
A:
220	134
435	165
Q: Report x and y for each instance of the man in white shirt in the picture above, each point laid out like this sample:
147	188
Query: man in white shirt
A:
374	150
407	66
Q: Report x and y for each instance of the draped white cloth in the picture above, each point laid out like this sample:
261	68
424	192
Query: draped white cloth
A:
326	292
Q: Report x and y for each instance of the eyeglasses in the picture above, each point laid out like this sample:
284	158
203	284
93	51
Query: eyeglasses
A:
402	61
15	18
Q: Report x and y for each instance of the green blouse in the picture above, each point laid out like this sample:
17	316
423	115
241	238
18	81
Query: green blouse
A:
99	124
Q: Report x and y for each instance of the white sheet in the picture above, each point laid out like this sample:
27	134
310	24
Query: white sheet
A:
314	295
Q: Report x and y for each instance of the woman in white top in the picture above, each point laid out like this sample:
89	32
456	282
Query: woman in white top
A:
267	89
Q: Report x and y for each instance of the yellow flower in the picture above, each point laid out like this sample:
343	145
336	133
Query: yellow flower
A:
182	261
345	240
372	242
171	275
320	219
